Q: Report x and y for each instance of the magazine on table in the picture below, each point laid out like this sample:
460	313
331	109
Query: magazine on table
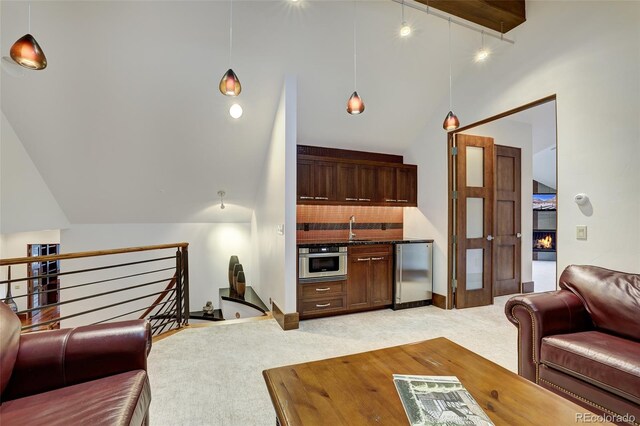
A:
438	400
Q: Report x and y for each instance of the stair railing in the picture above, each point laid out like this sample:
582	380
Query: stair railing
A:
102	286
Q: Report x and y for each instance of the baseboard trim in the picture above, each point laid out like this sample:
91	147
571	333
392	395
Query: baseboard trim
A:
439	300
527	287
290	321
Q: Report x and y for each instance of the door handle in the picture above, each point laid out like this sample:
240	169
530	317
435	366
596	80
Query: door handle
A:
518	235
490	237
323	289
325	305
350	199
304	197
360	259
377	258
321	198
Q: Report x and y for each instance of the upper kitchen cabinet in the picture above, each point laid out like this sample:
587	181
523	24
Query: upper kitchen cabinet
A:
317	181
343	177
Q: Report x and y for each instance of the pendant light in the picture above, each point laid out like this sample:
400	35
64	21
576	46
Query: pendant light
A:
482	54
229	84
355	105
451	121
27	52
405	29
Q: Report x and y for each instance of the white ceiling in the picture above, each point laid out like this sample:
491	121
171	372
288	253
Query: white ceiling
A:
127	124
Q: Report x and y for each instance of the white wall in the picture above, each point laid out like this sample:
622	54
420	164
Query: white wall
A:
276	206
592	66
544	167
26	203
210	246
15	245
518	135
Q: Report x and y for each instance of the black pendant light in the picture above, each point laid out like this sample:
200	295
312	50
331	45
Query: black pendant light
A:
27	52
355	104
451	121
230	84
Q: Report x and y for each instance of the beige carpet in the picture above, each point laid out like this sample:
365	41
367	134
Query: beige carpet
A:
213	375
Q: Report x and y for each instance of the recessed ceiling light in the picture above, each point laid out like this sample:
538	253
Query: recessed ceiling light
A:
235	111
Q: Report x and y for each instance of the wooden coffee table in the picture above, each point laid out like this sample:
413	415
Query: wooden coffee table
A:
358	389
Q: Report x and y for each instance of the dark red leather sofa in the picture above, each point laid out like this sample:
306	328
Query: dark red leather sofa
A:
92	375
583	341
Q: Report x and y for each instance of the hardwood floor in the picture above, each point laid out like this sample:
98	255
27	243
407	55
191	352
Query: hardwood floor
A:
43	315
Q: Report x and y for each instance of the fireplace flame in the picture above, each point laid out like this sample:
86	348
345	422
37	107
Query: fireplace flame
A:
546	242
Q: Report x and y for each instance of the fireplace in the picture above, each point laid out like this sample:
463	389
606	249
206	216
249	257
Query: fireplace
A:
544	240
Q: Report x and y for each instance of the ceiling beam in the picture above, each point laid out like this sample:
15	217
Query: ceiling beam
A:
499	15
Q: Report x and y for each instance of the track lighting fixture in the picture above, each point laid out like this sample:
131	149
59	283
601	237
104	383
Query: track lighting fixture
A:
451	121
230	84
27	52
355	104
221	194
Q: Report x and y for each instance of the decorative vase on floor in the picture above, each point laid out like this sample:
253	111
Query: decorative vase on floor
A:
236	269
233	261
241	283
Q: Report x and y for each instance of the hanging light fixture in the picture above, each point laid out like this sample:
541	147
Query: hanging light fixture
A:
451	121
221	194
482	54
229	84
355	105
405	29
27	52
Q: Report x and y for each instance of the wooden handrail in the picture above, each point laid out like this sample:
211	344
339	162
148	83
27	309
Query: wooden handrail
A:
78	255
171	284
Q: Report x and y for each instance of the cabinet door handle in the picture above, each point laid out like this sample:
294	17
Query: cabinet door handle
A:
360	259
351	199
389	200
325	305
364	199
304	197
403	201
323	289
322	198
377	258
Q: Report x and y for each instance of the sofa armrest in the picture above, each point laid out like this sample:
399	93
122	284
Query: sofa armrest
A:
53	359
540	315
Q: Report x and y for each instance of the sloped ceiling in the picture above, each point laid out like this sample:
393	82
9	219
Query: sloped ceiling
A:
127	125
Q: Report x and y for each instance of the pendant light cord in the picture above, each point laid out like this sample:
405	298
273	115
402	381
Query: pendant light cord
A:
450	96
402	12
230	29
355	49
29	18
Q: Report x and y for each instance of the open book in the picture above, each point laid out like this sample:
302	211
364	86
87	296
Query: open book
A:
438	400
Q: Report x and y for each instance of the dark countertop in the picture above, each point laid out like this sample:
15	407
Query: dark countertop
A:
345	242
250	298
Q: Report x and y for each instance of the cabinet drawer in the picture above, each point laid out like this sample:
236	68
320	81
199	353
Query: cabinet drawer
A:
329	304
369	249
322	289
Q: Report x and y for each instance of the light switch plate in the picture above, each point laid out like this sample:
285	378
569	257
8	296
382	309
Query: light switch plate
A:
581	232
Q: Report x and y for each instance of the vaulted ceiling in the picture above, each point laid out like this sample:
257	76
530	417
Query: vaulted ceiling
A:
127	125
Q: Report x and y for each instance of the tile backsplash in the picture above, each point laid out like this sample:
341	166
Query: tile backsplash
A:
332	222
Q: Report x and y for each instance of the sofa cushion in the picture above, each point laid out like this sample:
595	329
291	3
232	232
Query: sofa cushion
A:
122	399
611	298
9	343
609	362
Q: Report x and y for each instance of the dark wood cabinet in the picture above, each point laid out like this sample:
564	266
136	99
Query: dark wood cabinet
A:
321	299
369	278
354	178
317	180
407	185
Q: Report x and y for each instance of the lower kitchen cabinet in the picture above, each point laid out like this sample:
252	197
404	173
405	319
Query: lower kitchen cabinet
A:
321	298
369	276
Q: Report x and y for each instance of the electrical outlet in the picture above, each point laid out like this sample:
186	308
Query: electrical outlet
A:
581	232
280	229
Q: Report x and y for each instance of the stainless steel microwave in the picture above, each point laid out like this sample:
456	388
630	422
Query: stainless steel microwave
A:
322	263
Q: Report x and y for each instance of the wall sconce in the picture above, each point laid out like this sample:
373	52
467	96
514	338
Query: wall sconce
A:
221	194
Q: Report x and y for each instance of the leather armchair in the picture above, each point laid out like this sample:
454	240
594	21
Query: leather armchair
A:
87	375
583	341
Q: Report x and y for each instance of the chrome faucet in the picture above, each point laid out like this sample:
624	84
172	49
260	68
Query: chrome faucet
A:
352	220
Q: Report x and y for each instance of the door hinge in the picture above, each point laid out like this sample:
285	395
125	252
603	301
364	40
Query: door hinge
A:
454	150
454	195
454	284
454	239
